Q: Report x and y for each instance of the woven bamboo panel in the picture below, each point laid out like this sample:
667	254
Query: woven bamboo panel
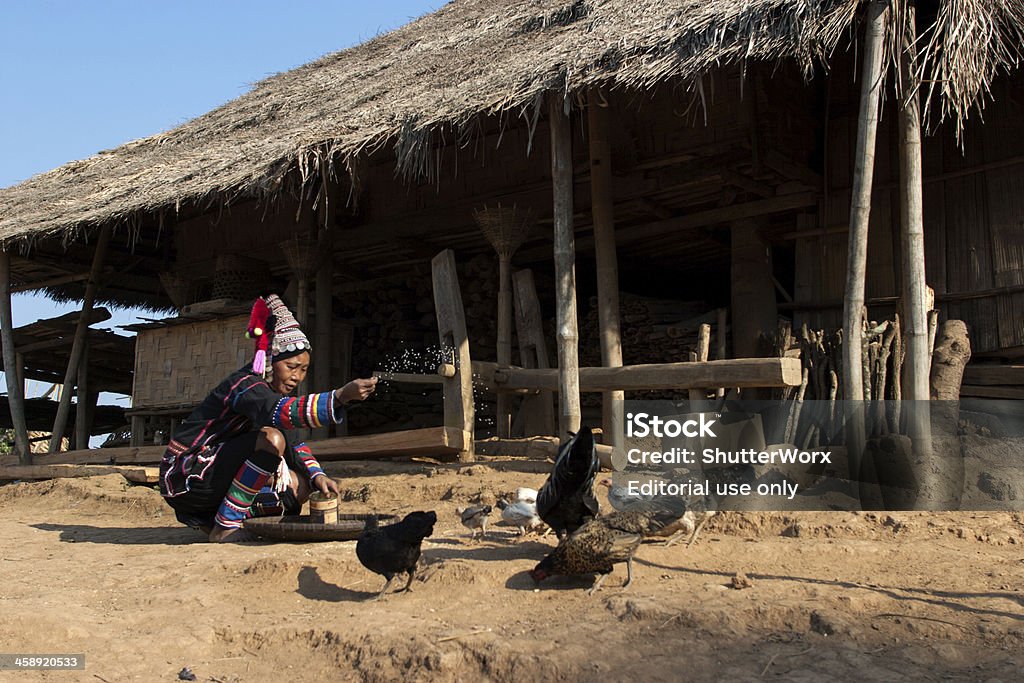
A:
180	364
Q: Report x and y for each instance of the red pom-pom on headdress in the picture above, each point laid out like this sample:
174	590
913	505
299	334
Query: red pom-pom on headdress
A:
259	324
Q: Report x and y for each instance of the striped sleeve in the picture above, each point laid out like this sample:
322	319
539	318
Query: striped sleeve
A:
253	398
302	412
305	456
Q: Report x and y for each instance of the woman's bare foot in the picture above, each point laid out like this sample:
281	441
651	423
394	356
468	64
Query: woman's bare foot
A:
225	535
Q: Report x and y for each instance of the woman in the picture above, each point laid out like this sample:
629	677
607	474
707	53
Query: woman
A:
236	455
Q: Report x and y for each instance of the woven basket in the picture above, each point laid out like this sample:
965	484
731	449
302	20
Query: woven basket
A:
348	527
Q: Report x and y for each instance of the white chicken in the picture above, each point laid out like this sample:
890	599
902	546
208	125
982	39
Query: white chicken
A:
520	514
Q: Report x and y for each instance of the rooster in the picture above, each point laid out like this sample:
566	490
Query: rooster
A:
566	501
600	544
395	548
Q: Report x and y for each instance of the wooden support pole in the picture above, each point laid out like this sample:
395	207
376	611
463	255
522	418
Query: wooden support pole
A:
753	304
720	343
82	403
602	207
322	347
12	366
917	366
915	289
536	412
565	269
459	410
81	339
504	349
871	78
698	396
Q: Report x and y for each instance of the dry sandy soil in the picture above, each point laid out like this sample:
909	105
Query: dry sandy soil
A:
96	566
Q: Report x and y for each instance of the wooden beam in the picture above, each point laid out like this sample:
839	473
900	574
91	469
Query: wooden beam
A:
128	455
994	375
785	166
80	340
565	268
52	282
433	441
13	372
739	372
139	475
603	208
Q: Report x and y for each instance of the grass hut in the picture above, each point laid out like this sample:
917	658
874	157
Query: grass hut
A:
704	153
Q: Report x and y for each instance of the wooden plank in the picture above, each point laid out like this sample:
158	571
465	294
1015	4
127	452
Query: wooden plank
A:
434	441
139	475
1014	393
128	455
459	411
739	372
537	412
989	375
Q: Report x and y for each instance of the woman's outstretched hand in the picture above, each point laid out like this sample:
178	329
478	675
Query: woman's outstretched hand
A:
356	390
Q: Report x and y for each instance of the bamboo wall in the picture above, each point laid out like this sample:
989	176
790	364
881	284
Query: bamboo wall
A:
178	365
974	221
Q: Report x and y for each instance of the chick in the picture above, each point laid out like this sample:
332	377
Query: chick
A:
395	548
475	518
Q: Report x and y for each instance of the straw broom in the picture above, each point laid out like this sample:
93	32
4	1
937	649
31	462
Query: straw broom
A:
506	229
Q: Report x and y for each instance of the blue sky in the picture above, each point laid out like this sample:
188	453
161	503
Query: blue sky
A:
78	77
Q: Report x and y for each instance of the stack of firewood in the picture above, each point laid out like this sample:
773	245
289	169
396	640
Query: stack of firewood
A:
821	356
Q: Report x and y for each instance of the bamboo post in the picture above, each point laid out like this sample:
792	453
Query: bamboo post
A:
322	350
720	348
602	207
860	212
80	340
917	364
15	390
565	269
82	403
698	396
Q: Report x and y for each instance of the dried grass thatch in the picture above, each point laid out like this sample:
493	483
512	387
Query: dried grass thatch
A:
428	81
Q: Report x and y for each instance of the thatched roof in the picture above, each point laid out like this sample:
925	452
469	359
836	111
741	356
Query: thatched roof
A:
435	75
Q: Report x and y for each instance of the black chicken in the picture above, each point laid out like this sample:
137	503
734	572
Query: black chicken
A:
566	501
395	548
597	546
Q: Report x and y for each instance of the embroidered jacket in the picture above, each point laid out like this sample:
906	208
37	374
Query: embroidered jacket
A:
242	403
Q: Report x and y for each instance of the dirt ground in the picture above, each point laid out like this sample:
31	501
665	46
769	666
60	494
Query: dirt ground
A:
100	567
